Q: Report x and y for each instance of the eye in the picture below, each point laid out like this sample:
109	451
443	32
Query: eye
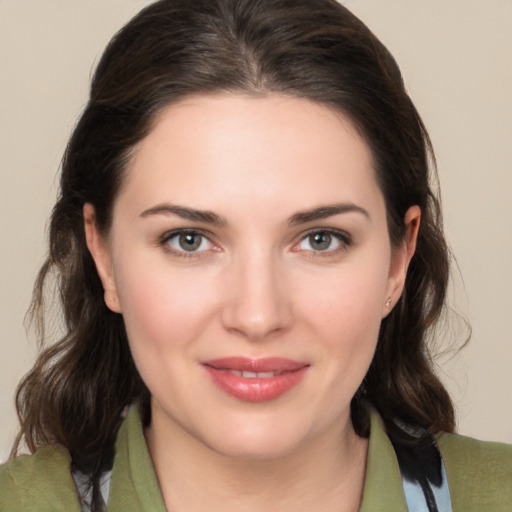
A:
187	242
324	241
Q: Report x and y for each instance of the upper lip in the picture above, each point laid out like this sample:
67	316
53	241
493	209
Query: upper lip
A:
246	364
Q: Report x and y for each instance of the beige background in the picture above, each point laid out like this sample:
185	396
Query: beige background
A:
456	56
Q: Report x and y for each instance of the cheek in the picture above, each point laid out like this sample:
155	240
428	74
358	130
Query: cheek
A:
348	298
345	310
350	335
168	315
163	310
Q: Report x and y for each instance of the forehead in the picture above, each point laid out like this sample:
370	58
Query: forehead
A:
224	149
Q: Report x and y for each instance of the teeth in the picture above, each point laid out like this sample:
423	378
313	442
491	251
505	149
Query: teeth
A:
266	375
254	375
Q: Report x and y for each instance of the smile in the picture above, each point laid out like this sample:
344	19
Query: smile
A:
254	375
255	380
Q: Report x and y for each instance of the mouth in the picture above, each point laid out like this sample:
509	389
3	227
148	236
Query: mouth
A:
253	375
255	380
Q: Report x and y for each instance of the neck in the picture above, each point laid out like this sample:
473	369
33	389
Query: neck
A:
326	473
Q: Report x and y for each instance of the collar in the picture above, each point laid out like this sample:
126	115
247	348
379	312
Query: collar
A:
134	485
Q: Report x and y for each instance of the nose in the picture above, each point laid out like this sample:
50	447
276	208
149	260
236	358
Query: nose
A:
258	303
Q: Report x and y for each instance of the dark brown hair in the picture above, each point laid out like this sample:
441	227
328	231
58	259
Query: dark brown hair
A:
314	49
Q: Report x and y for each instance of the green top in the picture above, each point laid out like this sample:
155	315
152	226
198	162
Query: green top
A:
479	476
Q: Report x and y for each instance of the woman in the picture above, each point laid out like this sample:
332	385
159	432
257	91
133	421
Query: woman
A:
250	257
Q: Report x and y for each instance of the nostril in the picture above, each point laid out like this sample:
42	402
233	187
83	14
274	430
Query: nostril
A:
257	303
257	320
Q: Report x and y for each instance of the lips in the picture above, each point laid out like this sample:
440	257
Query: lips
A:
255	380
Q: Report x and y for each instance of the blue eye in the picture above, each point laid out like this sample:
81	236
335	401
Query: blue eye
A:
189	241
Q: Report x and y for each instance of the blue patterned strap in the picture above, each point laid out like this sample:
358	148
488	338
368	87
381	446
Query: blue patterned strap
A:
422	468
85	490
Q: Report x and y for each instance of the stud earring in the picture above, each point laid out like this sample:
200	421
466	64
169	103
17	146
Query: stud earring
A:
388	303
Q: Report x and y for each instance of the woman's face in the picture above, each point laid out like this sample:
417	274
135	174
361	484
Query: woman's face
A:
249	256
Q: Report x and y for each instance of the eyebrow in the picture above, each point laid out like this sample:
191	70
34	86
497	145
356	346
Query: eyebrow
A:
208	217
323	212
192	214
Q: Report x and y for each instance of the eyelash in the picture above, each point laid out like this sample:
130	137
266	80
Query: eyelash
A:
167	237
344	239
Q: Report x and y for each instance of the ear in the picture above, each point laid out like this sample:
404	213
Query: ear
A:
102	258
401	257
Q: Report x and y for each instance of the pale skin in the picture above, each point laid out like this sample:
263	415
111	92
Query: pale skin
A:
292	259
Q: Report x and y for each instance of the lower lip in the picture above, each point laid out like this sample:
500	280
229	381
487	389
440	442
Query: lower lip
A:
256	390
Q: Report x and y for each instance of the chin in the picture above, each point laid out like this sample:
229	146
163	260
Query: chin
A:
264	447
259	438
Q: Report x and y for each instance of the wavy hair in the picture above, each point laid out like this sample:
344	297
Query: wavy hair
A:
315	49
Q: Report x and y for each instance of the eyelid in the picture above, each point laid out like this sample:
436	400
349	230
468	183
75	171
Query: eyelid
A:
338	233
344	238
168	235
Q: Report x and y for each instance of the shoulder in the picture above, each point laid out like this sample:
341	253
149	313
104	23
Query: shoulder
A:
479	473
41	482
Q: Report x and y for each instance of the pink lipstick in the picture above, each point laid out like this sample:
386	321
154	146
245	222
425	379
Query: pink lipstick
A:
255	380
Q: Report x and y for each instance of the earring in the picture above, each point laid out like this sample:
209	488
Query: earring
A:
388	303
